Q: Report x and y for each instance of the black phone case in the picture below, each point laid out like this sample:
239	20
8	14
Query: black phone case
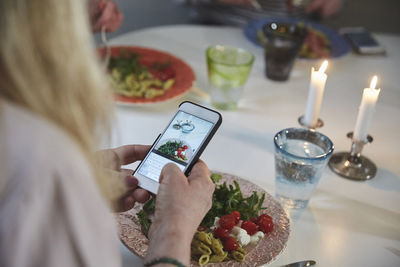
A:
201	149
208	139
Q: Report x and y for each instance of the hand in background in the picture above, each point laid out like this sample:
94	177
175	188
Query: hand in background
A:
122	186
104	14
326	8
181	204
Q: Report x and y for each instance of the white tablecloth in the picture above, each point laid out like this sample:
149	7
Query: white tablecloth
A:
347	223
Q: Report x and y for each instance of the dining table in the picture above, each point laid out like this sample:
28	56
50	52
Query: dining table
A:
347	222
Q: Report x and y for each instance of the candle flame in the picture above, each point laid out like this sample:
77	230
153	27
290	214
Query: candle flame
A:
373	82
323	66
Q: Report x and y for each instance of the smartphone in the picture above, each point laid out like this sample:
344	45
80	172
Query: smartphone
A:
362	41
182	142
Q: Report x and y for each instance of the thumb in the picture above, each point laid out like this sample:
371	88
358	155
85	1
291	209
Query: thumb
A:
171	174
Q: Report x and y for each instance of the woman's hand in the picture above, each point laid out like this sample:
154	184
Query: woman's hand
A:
181	204
104	14
125	193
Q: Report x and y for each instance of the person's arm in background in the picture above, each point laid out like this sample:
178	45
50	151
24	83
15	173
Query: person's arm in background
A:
104	13
325	8
181	204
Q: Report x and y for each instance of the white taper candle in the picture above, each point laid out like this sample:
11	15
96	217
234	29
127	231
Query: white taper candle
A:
366	111
315	95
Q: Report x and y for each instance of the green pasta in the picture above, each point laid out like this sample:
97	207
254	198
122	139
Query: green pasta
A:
204	237
199	247
204	259
239	254
131	79
219	258
217	247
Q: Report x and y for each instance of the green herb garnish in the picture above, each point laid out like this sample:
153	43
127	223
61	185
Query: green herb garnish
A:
127	63
170	147
143	215
227	199
216	177
161	66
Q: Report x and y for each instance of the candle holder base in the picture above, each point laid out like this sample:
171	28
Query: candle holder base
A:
319	123
343	164
352	165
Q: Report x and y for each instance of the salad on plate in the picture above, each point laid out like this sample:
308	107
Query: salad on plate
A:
233	225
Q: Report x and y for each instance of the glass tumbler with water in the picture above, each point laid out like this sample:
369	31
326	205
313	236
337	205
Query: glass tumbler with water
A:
228	69
301	156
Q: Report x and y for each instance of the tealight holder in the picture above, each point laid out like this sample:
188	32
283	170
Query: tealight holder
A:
352	165
319	123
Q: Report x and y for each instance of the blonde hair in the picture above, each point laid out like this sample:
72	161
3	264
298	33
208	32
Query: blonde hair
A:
48	65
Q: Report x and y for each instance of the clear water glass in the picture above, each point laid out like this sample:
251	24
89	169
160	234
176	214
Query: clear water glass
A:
228	70
301	156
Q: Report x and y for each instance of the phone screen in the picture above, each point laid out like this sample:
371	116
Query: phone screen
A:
178	144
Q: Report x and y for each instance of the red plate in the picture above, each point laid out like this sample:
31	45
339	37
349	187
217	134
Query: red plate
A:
184	75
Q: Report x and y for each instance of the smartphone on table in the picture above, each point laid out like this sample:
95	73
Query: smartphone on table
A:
182	142
362	41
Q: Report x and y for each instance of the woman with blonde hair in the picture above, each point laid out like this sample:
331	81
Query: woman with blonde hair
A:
55	106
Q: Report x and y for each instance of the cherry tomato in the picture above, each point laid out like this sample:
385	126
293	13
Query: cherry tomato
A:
265	223
230	244
227	222
221	233
250	227
236	214
182	156
254	220
168	73
185	147
179	149
264	216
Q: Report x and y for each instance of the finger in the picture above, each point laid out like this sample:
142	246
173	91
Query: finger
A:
314	6
200	176
172	173
129	202
200	169
131	181
141	195
331	8
131	153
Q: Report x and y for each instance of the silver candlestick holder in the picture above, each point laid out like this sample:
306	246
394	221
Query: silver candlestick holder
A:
319	123
352	165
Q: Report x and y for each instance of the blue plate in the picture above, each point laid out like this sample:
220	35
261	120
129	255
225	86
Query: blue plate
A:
339	46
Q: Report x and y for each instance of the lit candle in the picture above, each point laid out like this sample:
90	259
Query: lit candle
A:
315	94
366	111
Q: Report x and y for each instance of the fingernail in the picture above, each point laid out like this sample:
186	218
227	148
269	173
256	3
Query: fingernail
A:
131	181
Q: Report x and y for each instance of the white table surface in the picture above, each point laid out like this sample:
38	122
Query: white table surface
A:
347	223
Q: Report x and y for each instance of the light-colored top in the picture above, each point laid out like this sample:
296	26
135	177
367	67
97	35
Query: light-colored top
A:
51	211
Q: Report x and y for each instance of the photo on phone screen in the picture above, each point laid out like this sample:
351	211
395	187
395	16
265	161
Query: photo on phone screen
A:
180	142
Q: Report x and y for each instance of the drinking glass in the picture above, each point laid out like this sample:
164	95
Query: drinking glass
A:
301	156
282	43
228	69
